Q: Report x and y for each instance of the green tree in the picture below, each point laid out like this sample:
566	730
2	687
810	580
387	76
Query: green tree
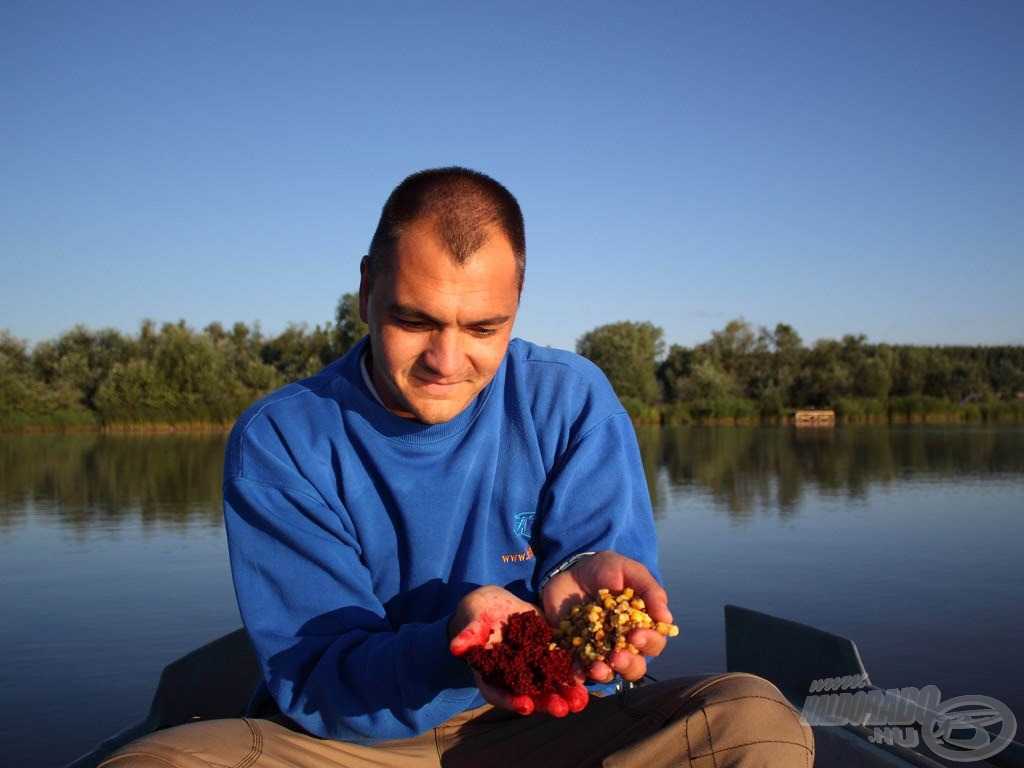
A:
75	365
348	327
298	352
733	343
1006	372
911	366
938	374
871	379
135	393
242	348
966	382
824	379
627	352
788	355
673	372
22	400
733	350
709	381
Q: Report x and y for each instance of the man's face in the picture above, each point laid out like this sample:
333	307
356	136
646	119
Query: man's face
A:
438	330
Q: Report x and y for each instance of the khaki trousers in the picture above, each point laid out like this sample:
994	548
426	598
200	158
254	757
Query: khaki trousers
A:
735	720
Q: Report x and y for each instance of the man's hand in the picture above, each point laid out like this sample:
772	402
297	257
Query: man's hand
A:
612	571
478	621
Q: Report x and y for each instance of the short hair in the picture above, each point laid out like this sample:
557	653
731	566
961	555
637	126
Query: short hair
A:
463	204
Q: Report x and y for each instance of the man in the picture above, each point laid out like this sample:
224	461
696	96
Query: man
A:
390	513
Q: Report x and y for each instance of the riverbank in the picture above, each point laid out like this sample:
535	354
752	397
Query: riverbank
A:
746	412
646	416
118	429
734	411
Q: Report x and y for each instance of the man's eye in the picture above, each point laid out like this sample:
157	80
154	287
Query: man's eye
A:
411	325
484	332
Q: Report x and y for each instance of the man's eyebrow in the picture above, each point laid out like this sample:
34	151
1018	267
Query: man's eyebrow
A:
496	320
418	314
411	312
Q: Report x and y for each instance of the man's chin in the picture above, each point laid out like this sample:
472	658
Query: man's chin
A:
433	412
437	405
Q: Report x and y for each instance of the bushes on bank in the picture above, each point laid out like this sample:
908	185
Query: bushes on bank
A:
175	376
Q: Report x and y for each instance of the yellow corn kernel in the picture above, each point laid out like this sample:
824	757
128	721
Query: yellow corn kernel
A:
594	630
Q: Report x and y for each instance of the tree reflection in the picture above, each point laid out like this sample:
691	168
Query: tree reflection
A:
85	480
750	468
82	481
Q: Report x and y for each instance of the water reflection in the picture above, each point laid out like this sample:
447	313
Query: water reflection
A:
745	469
81	481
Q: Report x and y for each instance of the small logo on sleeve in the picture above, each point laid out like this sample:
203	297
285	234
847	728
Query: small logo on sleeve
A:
524	523
524	528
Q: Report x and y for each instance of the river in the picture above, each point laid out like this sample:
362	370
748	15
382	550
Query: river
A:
906	539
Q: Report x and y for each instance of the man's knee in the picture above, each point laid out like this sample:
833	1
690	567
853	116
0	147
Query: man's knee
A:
206	744
733	720
736	714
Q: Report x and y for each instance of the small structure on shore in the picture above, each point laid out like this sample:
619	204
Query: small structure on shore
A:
815	418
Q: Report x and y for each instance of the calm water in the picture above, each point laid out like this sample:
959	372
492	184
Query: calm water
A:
113	560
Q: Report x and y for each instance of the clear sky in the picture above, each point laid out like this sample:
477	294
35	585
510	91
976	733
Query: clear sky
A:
844	167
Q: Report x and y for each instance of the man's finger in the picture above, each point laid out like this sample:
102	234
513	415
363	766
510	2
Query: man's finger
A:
601	672
477	633
649	642
628	665
576	697
522	704
553	704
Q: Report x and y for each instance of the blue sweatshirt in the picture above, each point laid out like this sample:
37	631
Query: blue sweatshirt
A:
354	533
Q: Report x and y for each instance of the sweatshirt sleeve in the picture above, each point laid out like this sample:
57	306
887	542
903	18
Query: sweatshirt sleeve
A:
597	498
330	657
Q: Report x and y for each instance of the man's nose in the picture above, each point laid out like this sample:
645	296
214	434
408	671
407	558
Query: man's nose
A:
444	355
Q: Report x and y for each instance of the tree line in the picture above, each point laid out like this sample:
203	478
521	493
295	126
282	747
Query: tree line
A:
166	376
749	374
172	375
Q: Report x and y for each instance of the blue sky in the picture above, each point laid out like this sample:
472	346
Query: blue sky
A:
842	167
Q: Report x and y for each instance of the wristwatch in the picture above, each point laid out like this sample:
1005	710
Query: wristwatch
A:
565	566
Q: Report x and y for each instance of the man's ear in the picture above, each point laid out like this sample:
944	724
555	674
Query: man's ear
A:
365	284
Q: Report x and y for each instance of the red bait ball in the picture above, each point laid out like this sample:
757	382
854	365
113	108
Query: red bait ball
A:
526	661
